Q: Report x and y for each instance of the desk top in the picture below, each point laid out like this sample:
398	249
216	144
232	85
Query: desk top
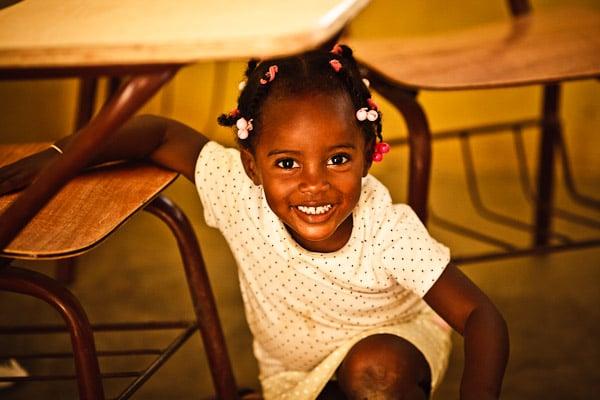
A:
86	210
73	33
550	45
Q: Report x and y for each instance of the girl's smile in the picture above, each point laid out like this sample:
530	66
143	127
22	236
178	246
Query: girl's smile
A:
310	159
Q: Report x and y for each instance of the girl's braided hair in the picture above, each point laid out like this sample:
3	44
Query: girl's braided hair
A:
307	73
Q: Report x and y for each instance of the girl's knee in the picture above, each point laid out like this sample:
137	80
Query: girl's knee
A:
384	367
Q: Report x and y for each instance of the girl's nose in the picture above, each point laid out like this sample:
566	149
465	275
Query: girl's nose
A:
313	180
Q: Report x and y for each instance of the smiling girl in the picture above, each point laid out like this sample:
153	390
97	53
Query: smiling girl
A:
346	294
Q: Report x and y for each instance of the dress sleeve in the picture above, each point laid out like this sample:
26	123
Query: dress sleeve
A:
410	255
221	183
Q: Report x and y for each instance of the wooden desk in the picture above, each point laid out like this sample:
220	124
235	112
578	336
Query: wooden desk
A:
150	39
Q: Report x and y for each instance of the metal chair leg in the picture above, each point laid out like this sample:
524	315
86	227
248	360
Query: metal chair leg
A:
30	283
202	297
550	131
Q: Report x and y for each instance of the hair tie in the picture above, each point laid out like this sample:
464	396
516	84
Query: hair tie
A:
337	49
366	114
244	127
270	75
336	65
372	104
381	148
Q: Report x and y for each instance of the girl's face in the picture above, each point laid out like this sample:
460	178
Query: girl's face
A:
310	158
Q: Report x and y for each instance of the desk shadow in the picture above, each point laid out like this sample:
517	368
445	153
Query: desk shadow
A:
8	3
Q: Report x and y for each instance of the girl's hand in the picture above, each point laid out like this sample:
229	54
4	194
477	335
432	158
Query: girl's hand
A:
21	173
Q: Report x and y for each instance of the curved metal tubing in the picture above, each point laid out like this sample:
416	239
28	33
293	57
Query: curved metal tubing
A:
123	105
37	285
545	175
419	141
202	296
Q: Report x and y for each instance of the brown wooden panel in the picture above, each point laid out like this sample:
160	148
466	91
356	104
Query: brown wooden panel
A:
546	46
87	209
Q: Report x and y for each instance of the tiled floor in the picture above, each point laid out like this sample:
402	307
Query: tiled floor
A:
550	303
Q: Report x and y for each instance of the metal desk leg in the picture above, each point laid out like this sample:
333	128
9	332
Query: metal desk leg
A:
125	103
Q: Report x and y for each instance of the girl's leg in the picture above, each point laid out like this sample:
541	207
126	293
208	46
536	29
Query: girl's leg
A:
382	367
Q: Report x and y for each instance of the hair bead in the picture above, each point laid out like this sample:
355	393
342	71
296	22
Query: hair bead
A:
372	104
337	49
244	127
336	65
270	75
361	114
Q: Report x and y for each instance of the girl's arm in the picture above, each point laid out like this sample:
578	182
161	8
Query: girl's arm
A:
471	313
163	141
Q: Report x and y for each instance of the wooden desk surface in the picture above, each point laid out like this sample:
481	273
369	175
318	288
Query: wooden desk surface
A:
68	33
550	45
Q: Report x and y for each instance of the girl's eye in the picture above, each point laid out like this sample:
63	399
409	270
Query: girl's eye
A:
338	159
287	163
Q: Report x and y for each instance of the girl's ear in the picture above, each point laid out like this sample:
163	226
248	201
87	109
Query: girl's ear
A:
250	166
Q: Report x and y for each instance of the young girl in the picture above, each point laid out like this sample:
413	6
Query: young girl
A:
339	284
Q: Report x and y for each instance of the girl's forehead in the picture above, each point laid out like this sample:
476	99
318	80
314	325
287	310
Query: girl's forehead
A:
318	109
320	118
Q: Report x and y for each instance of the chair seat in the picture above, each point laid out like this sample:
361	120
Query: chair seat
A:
86	210
546	46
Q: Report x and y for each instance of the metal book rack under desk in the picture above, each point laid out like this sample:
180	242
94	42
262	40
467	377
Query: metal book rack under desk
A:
558	241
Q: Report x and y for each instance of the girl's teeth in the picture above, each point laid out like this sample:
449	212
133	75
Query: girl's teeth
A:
315	210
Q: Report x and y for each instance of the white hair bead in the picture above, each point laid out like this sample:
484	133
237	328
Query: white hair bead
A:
241	123
372	115
242	133
361	114
241	85
366	82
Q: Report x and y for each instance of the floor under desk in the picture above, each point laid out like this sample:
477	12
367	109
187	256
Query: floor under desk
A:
550	303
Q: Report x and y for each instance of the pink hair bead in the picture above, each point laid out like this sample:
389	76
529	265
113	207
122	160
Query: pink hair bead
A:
336	65
382	147
377	157
371	103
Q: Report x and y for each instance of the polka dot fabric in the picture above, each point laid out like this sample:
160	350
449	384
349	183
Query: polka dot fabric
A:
301	306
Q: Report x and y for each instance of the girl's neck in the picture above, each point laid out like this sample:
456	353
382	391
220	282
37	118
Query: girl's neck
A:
334	243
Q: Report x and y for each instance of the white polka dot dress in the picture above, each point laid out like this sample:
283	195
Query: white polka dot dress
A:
306	309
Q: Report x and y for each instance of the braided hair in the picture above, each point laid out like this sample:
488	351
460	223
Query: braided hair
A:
307	73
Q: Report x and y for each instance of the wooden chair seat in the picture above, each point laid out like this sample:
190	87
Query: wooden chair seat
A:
542	47
86	210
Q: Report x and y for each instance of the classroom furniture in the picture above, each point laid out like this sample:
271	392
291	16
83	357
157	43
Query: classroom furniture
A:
545	47
144	42
82	215
149	42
